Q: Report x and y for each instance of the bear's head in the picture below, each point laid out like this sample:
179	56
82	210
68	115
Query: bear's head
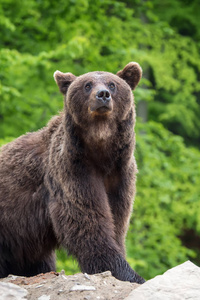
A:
99	97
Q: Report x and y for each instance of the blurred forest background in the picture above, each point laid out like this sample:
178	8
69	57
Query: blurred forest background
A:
40	36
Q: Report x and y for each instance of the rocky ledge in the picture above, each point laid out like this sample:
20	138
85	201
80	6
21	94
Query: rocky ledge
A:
181	282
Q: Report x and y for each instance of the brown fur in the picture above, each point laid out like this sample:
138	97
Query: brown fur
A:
72	183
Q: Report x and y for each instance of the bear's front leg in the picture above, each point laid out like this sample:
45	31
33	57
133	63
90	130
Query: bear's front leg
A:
121	191
83	224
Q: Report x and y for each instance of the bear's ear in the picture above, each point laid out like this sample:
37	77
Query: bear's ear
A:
131	73
63	80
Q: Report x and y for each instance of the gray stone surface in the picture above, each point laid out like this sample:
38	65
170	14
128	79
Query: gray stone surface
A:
179	283
10	291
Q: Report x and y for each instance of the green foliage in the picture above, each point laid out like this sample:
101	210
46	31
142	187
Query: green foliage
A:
38	37
6	140
67	263
167	202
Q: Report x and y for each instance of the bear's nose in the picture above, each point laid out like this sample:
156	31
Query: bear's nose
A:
103	95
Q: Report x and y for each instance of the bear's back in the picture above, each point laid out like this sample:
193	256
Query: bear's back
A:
22	161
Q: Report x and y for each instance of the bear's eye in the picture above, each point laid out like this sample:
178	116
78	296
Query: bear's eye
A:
88	86
111	86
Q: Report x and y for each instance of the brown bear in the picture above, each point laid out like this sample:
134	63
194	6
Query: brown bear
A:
72	183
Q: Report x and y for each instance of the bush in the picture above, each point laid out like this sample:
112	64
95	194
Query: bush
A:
167	202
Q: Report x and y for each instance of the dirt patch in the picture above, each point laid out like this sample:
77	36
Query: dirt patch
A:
58	286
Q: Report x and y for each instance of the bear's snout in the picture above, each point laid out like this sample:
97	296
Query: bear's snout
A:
103	96
101	105
101	101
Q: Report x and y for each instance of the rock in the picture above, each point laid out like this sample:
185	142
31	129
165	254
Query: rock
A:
54	286
179	283
82	288
87	276
44	297
12	291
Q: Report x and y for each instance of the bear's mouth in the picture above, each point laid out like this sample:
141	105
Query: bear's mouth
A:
101	108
